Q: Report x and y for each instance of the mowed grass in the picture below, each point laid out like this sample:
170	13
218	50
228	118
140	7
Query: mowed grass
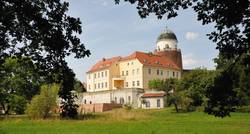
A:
121	121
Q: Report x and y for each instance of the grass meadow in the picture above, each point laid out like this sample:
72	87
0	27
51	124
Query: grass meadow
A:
121	121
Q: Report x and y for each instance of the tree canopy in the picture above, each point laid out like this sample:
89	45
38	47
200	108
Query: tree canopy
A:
231	33
43	31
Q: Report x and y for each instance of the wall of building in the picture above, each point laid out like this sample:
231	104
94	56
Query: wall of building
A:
151	103
98	81
166	44
131	71
151	73
121	96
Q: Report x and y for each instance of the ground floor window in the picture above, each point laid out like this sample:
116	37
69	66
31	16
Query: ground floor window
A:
121	100
158	103
147	104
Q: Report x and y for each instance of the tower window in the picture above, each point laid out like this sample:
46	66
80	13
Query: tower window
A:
157	72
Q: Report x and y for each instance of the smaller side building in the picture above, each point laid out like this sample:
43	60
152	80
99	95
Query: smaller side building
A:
135	97
153	100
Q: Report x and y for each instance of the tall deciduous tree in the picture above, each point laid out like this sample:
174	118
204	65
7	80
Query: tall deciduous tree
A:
18	83
41	30
231	21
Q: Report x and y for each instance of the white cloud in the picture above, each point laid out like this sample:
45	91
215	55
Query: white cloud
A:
189	61
192	35
101	2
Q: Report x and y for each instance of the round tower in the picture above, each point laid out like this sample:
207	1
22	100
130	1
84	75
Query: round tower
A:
167	46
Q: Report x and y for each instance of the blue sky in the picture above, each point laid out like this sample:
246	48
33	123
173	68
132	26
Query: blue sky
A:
117	30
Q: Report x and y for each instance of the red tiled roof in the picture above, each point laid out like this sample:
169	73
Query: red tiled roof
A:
104	63
153	95
149	59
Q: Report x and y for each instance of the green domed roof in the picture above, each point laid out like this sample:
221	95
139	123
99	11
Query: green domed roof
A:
167	34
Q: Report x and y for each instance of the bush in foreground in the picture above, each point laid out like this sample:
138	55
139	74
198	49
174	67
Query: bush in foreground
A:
41	105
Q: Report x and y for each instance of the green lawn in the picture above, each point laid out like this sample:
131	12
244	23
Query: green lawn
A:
133	122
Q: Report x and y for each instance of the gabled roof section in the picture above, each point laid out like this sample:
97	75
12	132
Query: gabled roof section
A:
149	59
104	63
148	95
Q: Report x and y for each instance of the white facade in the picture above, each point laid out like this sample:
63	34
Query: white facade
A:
166	44
133	97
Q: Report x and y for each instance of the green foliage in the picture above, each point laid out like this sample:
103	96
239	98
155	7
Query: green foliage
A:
163	85
43	31
42	105
17	104
127	107
79	87
232	36
19	81
195	82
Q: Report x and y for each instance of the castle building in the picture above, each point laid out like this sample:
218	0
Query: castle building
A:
124	80
137	69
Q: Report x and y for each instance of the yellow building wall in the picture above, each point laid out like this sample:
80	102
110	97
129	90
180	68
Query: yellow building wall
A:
131	72
98	81
163	73
127	74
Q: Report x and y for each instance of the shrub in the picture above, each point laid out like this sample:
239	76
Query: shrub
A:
41	105
127	106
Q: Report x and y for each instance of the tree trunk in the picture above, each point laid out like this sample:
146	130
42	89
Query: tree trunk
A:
176	107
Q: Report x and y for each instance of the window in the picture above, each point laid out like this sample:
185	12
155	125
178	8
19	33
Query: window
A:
89	86
115	100
177	74
149	71
98	75
137	70
128	63
106	73
102	74
157	72
89	76
98	85
121	100
95	75
173	74
161	72
132	63
126	84
127	73
106	84
133	72
90	102
85	101
147	104
158	103
138	83
102	85
133	83
129	99
122	73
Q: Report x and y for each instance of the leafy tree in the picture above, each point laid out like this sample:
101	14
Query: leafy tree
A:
79	87
195	82
18	83
43	31
43	104
232	34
